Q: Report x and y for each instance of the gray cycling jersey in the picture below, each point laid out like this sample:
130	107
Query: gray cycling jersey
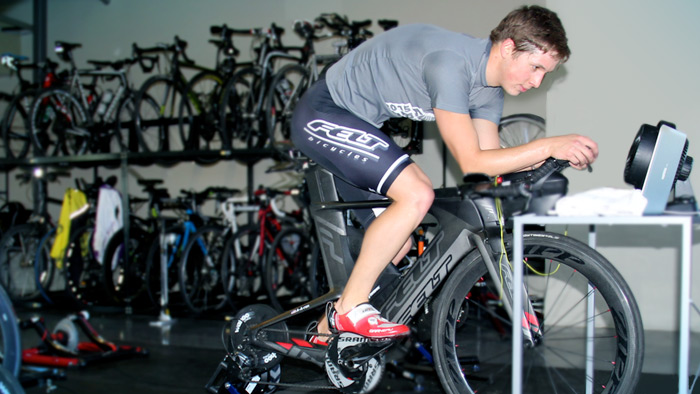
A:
409	70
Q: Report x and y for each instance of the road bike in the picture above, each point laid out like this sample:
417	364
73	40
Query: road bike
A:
15	121
26	267
577	307
243	97
92	112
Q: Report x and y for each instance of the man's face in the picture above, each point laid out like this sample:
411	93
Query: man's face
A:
525	70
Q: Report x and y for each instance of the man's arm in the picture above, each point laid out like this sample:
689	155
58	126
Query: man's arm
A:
463	137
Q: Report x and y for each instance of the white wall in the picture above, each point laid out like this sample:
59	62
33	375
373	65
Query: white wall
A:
107	32
633	62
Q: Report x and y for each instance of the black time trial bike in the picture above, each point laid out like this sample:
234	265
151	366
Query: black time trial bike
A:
577	308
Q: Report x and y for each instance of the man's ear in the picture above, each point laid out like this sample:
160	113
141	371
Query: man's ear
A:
507	48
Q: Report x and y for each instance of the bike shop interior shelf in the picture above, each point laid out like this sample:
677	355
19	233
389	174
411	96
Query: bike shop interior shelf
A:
685	222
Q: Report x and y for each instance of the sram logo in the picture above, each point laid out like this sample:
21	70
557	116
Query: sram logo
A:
345	137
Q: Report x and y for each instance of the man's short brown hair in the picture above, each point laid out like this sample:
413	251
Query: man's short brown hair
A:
534	28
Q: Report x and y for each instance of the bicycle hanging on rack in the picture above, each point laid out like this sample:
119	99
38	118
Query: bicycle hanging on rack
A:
469	252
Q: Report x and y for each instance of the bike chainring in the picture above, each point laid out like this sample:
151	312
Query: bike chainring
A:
355	364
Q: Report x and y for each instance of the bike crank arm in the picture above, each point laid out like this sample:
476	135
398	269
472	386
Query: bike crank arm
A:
503	276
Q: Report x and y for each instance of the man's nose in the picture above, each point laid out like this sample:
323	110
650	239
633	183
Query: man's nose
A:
536	80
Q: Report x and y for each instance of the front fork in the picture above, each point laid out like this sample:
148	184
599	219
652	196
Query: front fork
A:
502	274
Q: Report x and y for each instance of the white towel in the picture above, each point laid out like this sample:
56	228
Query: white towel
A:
602	202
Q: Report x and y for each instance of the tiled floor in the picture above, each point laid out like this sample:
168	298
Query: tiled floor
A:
183	356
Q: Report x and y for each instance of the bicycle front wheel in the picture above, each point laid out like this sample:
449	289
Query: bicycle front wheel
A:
241	267
199	115
156	127
15	127
592	330
284	92
287	271
239	115
18	248
11	350
200	271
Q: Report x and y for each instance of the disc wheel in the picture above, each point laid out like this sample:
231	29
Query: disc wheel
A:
237	337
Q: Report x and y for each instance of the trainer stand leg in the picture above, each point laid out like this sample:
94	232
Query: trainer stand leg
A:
165	321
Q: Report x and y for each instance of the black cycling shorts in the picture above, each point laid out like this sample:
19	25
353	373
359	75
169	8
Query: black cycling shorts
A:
344	144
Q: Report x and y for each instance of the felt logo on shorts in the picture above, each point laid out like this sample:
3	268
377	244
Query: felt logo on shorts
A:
344	140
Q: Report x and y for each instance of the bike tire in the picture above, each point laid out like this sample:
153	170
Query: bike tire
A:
199	274
18	248
15	126
158	131
241	267
83	273
287	269
286	88
123	275
10	338
44	265
59	125
519	129
199	116
243	127
460	338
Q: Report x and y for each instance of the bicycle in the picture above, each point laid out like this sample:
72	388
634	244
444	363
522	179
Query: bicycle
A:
85	117
15	121
201	127
173	100
25	262
434	296
166	251
247	248
292	80
243	96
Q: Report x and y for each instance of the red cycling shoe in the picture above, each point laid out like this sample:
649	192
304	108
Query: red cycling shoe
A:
365	320
316	339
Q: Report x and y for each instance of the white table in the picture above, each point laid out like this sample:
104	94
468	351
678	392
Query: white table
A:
685	222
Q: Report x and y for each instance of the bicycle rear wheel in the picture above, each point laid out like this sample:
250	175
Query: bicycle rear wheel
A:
577	290
200	271
59	124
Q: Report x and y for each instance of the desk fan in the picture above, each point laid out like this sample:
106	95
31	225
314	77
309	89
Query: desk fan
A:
658	163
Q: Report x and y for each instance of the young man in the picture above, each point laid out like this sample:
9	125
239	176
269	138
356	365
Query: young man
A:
424	73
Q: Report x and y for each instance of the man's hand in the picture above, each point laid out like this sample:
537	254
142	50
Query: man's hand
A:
579	150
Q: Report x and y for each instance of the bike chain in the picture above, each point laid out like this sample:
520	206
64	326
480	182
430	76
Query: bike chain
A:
295	385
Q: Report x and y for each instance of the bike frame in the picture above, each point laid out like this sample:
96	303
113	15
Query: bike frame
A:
465	225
